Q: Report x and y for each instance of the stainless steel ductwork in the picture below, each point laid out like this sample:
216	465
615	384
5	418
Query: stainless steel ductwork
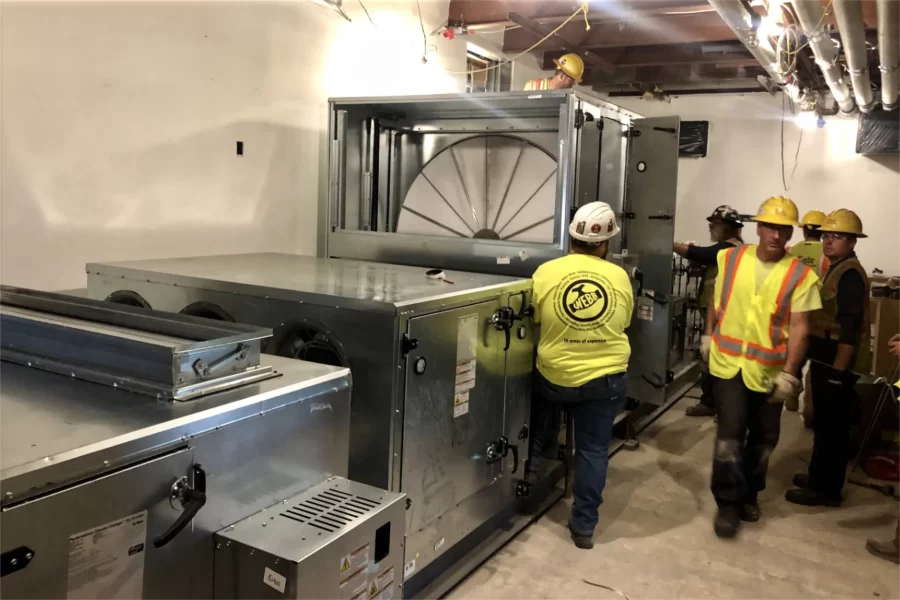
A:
737	18
889	51
853	35
812	20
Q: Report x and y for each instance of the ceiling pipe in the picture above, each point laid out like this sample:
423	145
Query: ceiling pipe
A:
889	51
853	35
812	21
740	19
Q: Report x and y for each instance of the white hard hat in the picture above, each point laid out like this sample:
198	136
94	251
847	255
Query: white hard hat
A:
594	222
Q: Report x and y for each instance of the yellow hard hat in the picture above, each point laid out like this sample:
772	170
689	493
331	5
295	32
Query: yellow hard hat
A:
813	219
843	221
778	210
571	65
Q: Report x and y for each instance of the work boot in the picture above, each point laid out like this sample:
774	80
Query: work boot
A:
749	512
888	550
808	497
700	410
585	542
801	480
727	521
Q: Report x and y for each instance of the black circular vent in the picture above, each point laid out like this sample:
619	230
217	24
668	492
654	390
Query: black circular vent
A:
311	343
207	310
128	298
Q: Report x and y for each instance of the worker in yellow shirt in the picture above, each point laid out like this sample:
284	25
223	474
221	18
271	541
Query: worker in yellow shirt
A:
810	249
569	70
755	343
583	303
839	353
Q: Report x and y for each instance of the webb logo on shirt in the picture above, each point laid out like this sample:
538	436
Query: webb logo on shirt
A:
583	301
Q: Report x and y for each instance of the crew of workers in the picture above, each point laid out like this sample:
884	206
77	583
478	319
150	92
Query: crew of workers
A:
768	311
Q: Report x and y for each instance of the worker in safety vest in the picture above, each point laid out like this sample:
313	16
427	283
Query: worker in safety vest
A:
810	252
569	70
583	304
838	353
810	249
755	342
725	231
889	549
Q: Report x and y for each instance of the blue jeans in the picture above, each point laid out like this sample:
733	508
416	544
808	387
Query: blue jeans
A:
593	407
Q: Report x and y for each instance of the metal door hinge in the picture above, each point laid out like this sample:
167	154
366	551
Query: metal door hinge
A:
408	344
579	118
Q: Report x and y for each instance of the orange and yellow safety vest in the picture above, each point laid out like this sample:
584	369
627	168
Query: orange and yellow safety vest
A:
537	84
751	332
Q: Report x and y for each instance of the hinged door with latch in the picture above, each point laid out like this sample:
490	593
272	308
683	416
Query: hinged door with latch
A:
652	179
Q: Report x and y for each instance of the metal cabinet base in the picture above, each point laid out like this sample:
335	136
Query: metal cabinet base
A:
339	539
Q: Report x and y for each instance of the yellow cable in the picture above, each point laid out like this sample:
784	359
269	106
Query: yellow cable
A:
822	20
582	8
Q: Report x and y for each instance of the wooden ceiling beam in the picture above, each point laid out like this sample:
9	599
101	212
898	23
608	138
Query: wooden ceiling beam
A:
730	55
541	31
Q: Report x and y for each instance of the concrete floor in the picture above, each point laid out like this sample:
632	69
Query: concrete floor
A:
655	537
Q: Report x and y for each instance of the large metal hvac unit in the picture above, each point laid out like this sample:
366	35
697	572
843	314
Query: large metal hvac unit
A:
441	374
489	183
481	186
138	446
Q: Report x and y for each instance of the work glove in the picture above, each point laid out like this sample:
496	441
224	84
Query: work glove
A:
705	341
787	389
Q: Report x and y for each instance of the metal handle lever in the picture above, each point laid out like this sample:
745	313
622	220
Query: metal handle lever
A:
192	499
498	450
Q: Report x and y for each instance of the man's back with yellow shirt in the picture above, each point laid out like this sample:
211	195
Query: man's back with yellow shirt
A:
584	304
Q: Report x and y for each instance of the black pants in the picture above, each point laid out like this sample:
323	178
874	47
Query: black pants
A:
706	388
835	396
747	433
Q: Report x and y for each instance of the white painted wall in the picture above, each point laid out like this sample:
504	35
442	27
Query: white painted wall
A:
119	120
744	168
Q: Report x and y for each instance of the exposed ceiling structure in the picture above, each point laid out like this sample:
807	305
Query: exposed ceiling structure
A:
685	46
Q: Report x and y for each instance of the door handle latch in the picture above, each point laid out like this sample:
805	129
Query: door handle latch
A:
499	449
192	499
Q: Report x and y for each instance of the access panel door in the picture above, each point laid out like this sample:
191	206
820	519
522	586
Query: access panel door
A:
453	410
652	179
95	539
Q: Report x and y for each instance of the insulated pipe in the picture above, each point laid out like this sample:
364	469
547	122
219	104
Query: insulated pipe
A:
853	35
737	18
889	51
812	20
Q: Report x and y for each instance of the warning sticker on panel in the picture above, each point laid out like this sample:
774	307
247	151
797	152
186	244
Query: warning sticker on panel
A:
385	579
466	363
408	569
460	405
356	559
274	580
108	561
356	585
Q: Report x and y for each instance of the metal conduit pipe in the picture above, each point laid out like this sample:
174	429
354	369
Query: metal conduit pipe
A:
889	51
853	35
737	18
812	21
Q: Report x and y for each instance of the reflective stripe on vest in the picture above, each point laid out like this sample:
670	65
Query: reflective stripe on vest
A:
777	354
